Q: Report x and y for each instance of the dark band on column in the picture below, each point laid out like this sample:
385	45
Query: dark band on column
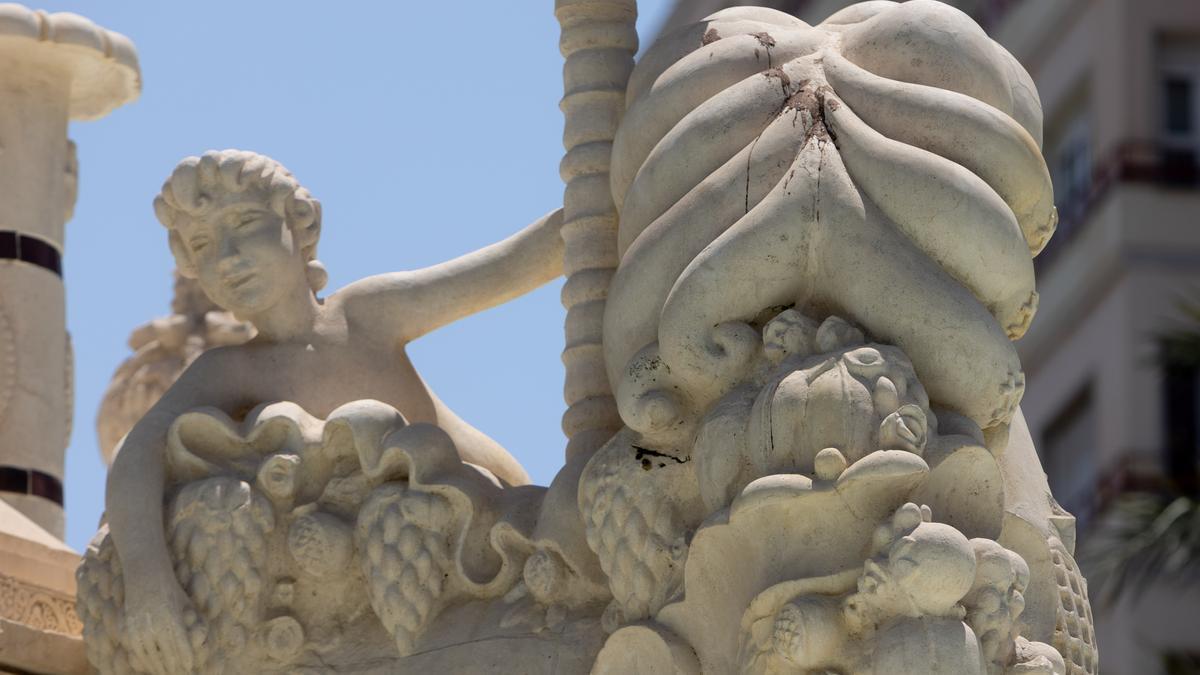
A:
26	248
31	482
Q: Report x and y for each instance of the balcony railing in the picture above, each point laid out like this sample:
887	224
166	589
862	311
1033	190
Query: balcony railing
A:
1132	161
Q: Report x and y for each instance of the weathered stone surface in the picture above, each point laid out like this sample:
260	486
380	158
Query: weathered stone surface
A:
39	627
823	252
53	68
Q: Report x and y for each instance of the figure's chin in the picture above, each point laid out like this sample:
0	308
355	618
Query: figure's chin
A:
245	305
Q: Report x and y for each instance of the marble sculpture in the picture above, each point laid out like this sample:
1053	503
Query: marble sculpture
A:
796	258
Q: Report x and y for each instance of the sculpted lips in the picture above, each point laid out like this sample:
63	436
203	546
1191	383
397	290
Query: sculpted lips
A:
239	279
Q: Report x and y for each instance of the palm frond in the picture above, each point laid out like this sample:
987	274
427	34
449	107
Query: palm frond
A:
1141	538
1179	346
1181	663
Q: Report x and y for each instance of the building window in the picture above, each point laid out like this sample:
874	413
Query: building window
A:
1179	358
1179	115
1069	455
1181	398
1071	172
1069	157
1177	104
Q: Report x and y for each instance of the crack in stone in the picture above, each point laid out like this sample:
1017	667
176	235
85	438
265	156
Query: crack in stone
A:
749	164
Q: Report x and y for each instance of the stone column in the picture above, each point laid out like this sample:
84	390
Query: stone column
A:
599	39
53	68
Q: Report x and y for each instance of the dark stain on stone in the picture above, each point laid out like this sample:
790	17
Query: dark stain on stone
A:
644	456
764	39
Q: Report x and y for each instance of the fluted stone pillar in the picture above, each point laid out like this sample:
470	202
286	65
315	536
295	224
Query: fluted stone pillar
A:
599	39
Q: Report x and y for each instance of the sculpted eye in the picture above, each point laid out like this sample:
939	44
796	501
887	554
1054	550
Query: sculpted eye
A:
198	244
247	220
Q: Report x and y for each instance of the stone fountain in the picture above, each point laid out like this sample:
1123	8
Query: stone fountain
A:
797	257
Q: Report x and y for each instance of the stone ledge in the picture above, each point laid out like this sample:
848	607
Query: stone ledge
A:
40	631
28	649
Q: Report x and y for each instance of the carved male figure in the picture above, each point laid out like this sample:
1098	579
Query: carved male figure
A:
243	226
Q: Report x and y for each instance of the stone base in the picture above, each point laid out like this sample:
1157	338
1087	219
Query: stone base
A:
40	631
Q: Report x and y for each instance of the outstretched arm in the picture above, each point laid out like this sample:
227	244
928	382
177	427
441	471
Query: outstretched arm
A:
411	304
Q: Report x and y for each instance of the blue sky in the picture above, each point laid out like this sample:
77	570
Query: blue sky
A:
426	129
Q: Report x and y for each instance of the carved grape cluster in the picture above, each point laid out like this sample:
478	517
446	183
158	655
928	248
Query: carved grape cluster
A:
405	539
634	530
219	529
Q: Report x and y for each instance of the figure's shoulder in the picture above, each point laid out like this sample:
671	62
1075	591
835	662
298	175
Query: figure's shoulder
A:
213	372
215	356
378	286
345	301
217	364
365	306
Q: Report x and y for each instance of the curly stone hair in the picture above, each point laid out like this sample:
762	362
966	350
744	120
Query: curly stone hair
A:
187	193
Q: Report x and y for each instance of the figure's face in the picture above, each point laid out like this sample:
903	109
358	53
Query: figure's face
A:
934	566
243	253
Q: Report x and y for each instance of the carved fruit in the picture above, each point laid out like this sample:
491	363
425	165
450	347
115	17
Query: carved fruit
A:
634	528
218	535
321	544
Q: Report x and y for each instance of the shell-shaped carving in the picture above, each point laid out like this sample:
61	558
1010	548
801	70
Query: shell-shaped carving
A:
405	538
1074	635
260	534
763	162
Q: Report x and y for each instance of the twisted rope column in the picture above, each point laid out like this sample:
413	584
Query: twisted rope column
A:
598	40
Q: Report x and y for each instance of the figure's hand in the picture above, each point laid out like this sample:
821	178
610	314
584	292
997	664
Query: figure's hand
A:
156	631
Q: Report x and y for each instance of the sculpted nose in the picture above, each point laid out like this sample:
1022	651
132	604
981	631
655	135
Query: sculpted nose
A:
227	254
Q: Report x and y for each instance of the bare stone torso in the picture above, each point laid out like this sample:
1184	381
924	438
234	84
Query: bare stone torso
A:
350	363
